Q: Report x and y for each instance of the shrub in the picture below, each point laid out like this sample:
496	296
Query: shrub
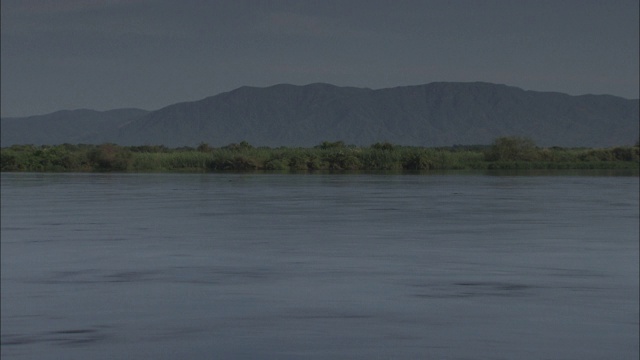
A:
276	164
386	146
417	161
626	153
110	157
512	148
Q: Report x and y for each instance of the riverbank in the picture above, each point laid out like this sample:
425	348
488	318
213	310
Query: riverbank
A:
509	153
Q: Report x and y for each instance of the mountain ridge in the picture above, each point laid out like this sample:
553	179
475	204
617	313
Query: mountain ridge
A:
433	114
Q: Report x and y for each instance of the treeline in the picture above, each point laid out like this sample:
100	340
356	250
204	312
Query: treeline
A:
504	153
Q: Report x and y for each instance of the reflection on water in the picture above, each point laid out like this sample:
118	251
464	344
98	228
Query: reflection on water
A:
253	266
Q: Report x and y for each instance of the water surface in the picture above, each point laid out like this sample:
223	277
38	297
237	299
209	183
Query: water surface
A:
255	266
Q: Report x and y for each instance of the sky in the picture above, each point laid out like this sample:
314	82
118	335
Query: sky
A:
109	54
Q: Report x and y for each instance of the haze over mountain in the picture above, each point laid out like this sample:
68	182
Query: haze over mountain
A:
435	114
66	126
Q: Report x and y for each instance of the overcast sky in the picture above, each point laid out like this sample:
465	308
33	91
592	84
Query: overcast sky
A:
107	54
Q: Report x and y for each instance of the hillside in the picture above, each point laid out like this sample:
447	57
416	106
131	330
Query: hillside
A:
66	126
436	114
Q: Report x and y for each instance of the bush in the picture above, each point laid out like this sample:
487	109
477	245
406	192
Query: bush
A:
512	148
342	160
417	161
626	153
325	145
385	146
276	164
110	157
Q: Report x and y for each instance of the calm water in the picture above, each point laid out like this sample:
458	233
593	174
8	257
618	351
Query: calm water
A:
127	266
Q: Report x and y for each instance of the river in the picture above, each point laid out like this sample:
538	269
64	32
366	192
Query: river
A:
322	266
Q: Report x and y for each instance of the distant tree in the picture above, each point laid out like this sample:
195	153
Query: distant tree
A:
331	145
110	157
238	147
512	148
204	147
383	146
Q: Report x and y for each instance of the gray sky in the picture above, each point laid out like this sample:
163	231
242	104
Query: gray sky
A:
107	54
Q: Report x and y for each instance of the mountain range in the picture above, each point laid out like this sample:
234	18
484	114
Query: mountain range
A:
435	114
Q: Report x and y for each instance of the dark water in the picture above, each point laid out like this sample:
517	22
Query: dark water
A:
104	266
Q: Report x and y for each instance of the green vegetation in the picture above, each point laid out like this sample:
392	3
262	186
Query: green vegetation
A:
504	153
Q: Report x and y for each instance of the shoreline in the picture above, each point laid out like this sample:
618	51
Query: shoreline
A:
515	154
